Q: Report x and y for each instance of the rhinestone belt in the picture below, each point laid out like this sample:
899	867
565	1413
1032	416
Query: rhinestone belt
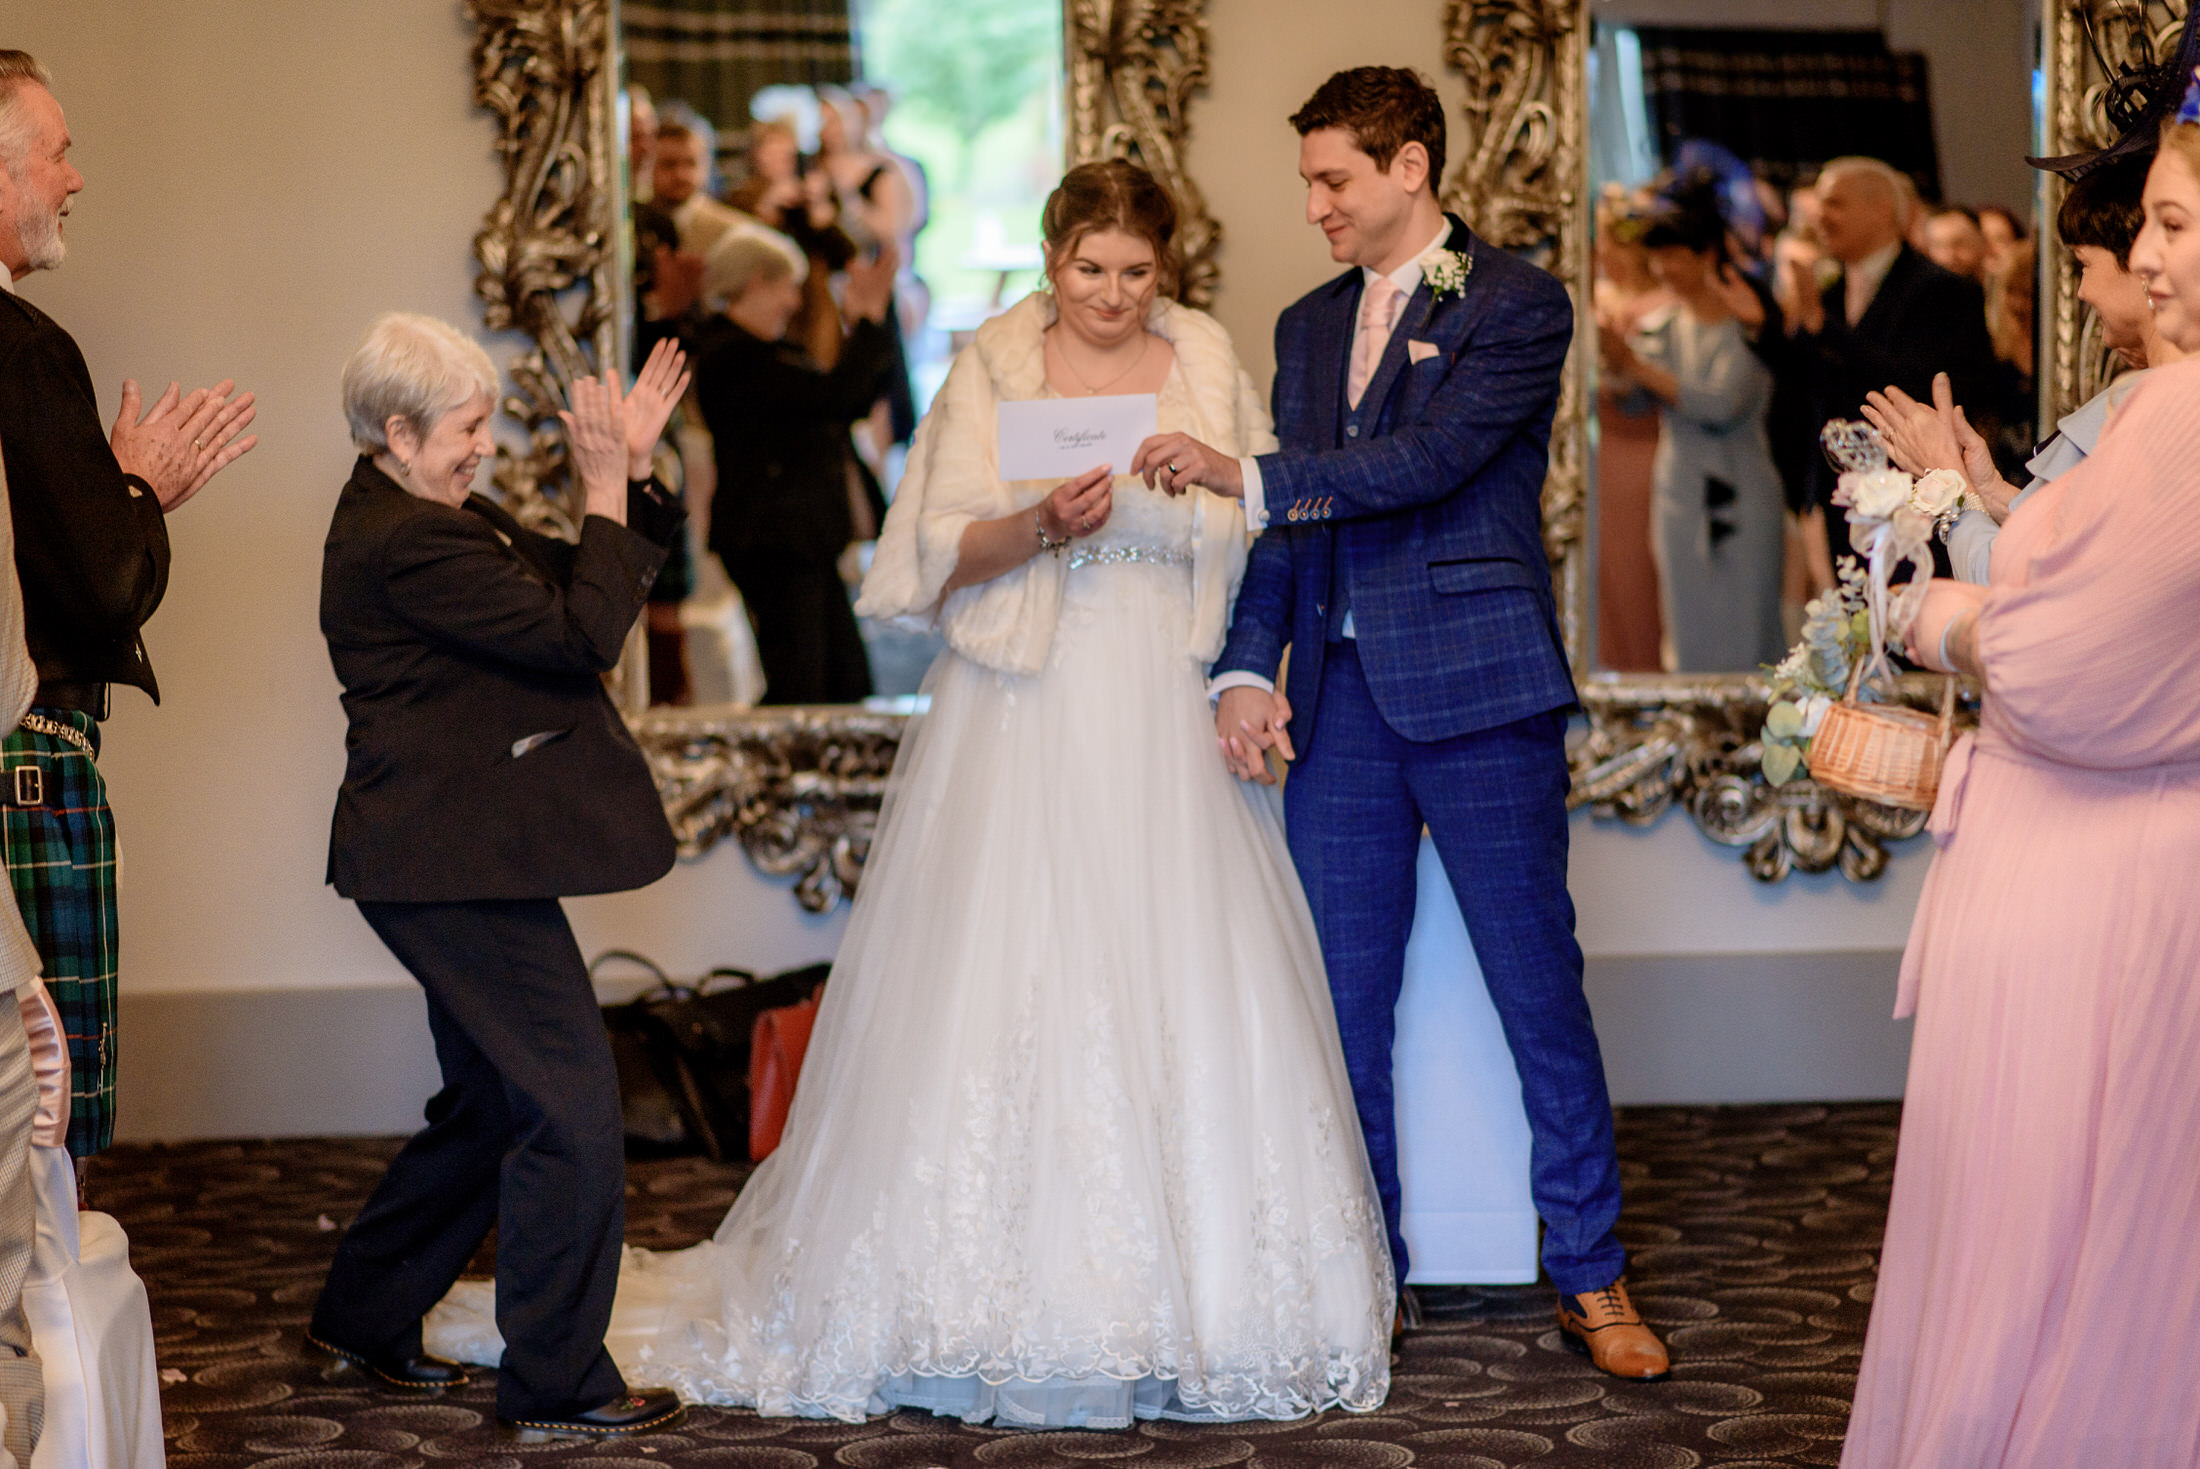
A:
40	724
1126	556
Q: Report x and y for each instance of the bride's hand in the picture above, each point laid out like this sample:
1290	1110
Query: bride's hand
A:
1079	506
1249	721
1169	462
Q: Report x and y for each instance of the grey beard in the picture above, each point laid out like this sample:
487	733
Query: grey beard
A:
39	236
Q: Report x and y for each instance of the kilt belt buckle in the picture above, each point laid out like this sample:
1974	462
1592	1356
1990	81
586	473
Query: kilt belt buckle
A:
27	786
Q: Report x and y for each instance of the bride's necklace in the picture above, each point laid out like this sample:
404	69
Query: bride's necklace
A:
1145	342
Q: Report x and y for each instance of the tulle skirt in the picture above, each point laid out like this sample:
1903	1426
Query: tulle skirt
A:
1074	1142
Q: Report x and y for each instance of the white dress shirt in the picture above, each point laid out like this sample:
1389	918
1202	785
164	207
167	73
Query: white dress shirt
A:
1862	280
1407	278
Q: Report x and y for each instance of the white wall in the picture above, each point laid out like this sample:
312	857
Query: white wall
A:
265	176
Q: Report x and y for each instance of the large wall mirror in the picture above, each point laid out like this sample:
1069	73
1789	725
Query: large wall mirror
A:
1673	589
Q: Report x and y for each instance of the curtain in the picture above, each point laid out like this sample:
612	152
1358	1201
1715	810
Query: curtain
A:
1788	101
716	54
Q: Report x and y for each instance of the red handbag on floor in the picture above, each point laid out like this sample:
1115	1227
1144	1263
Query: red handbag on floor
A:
775	1063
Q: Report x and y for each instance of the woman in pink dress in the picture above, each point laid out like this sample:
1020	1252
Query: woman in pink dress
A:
2040	1288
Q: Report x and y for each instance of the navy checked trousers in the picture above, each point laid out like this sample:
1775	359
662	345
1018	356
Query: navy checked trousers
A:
1495	804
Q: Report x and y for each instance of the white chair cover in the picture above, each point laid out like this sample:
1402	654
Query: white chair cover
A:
93	1327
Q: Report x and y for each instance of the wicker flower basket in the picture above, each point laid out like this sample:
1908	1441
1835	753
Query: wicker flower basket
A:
1883	752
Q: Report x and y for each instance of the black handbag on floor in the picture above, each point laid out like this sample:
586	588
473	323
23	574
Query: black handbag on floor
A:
683	1054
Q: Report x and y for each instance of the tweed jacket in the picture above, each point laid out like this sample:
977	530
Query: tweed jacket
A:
91	543
1422	506
485	759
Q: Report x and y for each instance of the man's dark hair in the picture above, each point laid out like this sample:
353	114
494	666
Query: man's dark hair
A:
2102	209
1383	108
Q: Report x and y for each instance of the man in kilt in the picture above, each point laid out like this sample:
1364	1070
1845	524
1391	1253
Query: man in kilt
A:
91	550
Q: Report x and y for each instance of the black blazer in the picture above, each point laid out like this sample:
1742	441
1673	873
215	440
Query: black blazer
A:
1923	320
91	545
485	758
780	427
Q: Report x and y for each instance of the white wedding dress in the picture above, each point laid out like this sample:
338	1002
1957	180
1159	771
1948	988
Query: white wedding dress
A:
1073	1142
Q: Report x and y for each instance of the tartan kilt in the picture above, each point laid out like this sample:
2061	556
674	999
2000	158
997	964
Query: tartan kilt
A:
61	863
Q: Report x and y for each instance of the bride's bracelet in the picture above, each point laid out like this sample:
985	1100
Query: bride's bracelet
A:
1047	543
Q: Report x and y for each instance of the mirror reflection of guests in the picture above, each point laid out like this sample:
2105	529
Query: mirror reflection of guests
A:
2099	221
1889	316
878	208
1718	508
489	775
2042	1264
1074	1144
799	203
789	500
1628	626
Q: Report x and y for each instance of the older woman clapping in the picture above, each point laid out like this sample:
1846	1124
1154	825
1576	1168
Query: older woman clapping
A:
489	776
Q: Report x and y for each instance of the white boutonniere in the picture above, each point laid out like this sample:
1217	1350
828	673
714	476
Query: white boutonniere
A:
1446	272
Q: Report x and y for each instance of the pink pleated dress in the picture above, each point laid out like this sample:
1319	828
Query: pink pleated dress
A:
2038	1302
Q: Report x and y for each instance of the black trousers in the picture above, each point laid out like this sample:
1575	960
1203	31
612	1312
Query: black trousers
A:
806	633
525	1135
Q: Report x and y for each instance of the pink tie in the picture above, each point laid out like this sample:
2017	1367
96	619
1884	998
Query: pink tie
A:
1378	314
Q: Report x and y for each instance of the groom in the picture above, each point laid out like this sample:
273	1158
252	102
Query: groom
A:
1403	565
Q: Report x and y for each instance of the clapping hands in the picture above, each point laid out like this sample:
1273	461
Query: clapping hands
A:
184	441
1922	437
658	389
612	435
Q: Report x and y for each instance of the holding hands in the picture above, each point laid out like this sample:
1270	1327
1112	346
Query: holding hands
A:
185	441
1249	722
1169	462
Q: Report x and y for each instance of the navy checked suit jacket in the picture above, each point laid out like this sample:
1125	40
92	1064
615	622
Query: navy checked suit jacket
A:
1423	506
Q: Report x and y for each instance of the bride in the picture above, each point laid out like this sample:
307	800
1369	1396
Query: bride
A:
1074	1142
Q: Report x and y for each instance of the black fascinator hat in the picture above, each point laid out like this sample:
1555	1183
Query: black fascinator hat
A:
2139	99
1686	212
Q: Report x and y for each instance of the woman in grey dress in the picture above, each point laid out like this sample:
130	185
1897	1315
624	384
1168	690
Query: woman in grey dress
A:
1716	507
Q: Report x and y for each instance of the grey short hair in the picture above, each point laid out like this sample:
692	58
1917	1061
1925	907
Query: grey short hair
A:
747	253
17	68
414	368
1901	191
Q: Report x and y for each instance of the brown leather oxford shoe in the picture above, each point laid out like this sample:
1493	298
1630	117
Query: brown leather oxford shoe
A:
1604	1326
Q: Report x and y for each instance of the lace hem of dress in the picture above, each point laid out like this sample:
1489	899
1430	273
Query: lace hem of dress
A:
1098	1400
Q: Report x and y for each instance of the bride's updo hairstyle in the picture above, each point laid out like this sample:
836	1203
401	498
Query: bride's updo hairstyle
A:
1112	194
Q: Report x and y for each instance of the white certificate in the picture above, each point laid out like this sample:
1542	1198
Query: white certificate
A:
1061	438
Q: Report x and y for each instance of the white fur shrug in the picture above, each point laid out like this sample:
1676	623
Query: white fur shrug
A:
953	479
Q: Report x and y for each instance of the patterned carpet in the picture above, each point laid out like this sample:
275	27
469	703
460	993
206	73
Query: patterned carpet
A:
1754	1233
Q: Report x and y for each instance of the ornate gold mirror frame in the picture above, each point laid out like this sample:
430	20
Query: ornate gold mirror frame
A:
799	789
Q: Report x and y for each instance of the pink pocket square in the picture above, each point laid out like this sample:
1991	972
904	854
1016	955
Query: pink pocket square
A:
1420	351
